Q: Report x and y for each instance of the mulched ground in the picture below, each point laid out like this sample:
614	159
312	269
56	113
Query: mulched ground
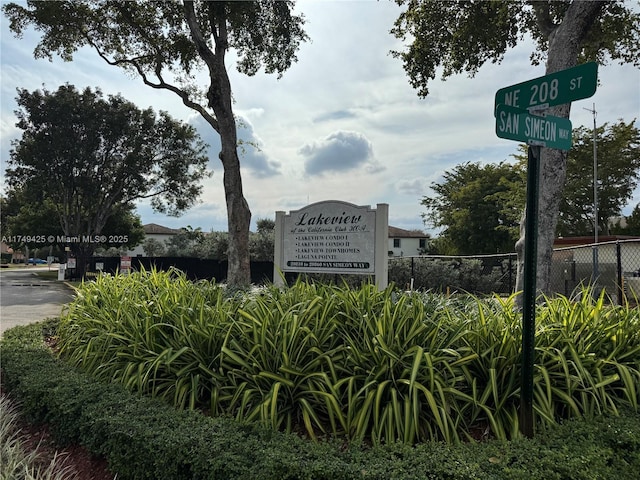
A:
80	464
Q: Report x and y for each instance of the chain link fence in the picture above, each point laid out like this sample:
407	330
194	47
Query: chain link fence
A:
614	266
482	274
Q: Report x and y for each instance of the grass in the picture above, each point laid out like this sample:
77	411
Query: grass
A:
47	275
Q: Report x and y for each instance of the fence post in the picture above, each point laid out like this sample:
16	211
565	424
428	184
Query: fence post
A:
412	269
619	272
510	273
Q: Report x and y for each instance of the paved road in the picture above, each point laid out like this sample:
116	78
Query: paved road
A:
26	298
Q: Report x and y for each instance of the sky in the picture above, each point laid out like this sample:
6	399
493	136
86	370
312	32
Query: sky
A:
343	123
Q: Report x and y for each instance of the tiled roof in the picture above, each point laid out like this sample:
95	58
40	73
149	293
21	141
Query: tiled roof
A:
395	232
154	228
588	240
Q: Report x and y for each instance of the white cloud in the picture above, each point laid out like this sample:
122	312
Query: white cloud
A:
339	151
253	159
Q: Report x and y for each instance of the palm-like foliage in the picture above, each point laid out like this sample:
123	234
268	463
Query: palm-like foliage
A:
378	366
155	332
588	357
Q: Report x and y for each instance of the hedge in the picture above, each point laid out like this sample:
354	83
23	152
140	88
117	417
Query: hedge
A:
144	438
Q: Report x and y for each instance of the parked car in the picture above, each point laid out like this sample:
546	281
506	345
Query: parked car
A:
36	261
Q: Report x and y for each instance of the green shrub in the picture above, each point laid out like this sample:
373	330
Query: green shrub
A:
360	364
443	275
155	332
143	438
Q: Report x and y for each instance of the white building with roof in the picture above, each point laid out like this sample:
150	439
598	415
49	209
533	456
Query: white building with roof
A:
404	243
155	231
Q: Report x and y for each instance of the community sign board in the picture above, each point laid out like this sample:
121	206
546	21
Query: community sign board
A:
333	237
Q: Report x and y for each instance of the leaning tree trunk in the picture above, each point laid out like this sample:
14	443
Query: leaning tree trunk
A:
219	97
565	43
238	213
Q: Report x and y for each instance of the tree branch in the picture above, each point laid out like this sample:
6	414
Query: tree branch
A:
196	34
543	18
161	84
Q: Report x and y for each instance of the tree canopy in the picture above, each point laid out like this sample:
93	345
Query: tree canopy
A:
630	225
461	35
84	159
166	43
467	204
618	171
191	242
478	206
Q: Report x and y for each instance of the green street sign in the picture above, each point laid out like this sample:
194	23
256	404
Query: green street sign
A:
515	124
554	89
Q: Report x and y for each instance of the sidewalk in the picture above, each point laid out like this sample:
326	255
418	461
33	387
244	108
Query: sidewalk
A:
24	315
27	298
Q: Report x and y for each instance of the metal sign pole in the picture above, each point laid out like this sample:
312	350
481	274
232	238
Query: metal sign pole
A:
516	108
530	289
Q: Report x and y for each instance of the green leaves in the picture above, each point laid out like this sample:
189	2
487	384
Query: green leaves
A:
368	365
588	356
458	36
144	439
475	205
462	36
91	157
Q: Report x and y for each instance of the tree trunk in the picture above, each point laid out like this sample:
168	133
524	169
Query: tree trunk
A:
238	213
564	47
219	97
83	253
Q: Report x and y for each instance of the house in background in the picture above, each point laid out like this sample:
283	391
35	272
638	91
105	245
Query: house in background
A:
406	242
155	231
10	255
